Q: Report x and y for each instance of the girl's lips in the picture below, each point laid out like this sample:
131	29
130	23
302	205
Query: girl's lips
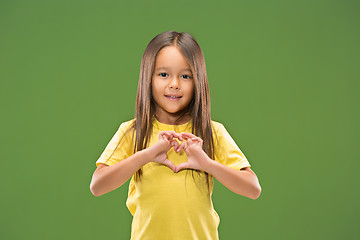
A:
173	98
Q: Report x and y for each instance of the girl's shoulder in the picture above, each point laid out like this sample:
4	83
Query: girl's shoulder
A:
128	123
216	126
124	126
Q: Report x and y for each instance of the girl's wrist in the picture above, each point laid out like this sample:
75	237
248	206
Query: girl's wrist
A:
144	156
150	153
206	161
209	166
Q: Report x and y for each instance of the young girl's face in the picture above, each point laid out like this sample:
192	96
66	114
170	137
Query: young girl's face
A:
172	83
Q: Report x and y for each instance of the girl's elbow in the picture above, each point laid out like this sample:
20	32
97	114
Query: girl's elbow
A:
94	191
256	193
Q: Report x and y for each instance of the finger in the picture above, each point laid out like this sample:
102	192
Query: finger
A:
166	135
175	134
198	141
188	135
181	146
175	144
182	166
170	136
163	134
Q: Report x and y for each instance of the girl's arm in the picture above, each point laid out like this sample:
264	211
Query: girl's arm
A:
108	178
243	182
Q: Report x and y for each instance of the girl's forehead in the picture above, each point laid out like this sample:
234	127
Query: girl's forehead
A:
169	68
170	58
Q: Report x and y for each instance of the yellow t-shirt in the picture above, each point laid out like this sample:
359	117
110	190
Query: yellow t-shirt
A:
167	205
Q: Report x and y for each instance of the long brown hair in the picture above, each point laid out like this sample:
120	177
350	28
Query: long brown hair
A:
198	108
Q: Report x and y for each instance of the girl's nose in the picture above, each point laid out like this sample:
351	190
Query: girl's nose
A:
174	83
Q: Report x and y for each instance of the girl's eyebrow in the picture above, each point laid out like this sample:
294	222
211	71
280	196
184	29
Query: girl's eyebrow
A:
165	68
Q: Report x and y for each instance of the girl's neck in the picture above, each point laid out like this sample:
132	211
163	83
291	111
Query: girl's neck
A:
171	120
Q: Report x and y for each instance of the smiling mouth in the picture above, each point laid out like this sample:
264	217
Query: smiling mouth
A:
172	96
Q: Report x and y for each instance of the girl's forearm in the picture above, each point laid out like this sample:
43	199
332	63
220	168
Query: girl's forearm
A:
240	182
112	177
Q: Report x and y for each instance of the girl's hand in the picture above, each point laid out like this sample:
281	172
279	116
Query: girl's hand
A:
197	158
165	142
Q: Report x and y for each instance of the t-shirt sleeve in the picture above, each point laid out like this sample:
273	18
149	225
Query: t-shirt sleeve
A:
226	150
119	147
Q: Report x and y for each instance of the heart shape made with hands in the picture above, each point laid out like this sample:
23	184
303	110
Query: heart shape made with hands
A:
192	145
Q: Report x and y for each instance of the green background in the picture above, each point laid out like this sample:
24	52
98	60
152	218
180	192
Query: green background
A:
284	81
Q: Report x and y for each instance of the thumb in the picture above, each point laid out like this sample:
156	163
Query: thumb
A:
170	164
182	166
186	149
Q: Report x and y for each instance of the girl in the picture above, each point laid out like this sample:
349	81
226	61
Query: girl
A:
173	135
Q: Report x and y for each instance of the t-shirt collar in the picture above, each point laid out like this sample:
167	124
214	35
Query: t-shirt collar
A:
169	127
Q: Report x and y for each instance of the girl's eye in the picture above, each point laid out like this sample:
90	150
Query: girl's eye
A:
164	75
